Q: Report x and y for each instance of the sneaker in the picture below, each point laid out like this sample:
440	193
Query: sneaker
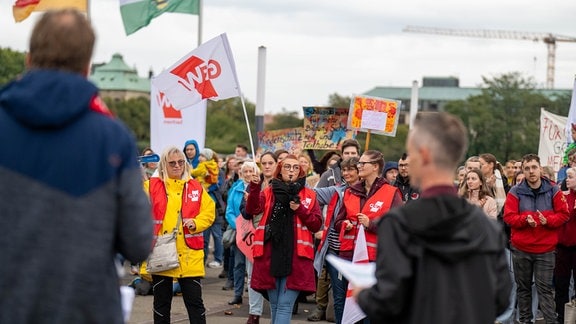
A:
223	274
215	265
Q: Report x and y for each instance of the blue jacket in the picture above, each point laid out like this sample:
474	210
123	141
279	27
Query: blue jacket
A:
235	196
193	162
71	199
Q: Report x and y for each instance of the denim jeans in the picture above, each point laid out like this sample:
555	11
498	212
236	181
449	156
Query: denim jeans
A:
191	294
281	302
216	232
255	299
507	317
338	291
239	271
539	266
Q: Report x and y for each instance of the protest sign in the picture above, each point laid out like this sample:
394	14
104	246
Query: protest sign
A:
325	128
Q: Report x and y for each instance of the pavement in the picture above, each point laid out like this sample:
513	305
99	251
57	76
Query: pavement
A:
216	303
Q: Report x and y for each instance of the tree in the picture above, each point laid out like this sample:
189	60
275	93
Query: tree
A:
285	119
12	63
504	119
226	125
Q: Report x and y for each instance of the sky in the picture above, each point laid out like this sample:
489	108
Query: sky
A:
320	47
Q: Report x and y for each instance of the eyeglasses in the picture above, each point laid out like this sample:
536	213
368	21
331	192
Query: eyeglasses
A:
402	165
289	167
173	163
360	164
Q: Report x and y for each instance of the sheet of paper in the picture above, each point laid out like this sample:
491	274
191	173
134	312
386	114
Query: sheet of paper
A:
358	274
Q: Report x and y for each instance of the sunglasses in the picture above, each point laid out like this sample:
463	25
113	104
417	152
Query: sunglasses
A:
173	163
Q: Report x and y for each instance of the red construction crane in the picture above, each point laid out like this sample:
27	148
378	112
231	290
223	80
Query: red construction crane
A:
548	38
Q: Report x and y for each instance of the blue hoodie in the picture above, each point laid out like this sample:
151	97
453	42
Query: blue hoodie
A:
71	199
193	162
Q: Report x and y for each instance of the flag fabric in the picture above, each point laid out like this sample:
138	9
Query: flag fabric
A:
138	13
208	72
352	312
171	127
23	8
571	115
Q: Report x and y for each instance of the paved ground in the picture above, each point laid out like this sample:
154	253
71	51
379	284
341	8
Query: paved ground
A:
216	302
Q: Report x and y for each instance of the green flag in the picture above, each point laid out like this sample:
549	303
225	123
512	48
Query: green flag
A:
138	13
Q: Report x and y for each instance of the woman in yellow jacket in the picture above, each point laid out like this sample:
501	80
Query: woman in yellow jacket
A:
173	193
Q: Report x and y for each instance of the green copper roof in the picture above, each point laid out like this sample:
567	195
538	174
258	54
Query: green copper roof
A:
117	75
444	93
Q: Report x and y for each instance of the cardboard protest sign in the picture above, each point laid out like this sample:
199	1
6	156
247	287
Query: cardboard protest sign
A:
377	115
289	139
325	128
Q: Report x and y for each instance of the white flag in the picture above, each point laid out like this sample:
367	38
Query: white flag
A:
171	127
208	72
571	115
352	312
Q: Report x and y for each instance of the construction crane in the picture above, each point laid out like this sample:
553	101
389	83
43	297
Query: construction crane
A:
548	38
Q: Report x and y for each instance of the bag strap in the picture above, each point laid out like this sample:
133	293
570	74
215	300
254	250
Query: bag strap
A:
175	230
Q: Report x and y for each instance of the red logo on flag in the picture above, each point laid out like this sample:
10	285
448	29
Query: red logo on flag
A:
167	108
196	73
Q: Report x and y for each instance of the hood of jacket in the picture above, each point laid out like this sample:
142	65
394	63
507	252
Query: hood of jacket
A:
448	227
47	99
193	162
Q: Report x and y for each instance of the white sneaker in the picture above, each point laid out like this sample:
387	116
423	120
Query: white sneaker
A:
215	264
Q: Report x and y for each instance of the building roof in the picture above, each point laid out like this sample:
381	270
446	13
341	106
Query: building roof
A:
445	93
117	75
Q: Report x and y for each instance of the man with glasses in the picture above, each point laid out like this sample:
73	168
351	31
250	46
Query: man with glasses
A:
535	209
409	193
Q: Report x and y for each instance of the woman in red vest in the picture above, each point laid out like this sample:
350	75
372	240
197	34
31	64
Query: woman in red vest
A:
283	247
364	203
180	203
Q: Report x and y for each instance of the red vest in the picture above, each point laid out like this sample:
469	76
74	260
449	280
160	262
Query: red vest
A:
191	202
304	239
374	207
329	215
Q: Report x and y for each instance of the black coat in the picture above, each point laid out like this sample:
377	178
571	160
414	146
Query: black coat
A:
440	260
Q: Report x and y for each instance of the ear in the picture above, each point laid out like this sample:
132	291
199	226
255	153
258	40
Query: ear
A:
27	61
425	155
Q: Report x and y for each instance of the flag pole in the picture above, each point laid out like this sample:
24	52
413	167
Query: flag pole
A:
199	22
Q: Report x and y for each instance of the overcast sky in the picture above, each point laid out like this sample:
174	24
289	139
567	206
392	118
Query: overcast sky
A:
319	47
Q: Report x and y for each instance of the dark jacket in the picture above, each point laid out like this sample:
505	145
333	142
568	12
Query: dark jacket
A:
71	199
440	260
409	193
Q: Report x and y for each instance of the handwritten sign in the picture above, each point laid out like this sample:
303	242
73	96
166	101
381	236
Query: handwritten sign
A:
289	139
377	115
245	236
325	128
552	139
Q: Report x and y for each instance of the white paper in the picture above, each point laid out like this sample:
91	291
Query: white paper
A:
127	294
374	120
358	274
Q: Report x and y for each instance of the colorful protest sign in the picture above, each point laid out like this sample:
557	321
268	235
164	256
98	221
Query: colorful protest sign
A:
245	236
289	139
325	128
377	115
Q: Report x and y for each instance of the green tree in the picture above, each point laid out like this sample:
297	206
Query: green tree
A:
504	119
226	124
12	63
285	119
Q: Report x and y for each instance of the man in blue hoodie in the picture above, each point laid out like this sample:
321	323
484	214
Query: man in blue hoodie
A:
71	196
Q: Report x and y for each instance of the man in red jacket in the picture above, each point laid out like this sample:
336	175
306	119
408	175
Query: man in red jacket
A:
535	209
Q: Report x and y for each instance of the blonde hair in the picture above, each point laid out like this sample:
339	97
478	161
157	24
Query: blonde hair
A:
162	165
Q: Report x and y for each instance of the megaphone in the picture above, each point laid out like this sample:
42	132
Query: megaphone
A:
149	158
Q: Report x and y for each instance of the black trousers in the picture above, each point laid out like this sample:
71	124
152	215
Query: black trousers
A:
191	293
